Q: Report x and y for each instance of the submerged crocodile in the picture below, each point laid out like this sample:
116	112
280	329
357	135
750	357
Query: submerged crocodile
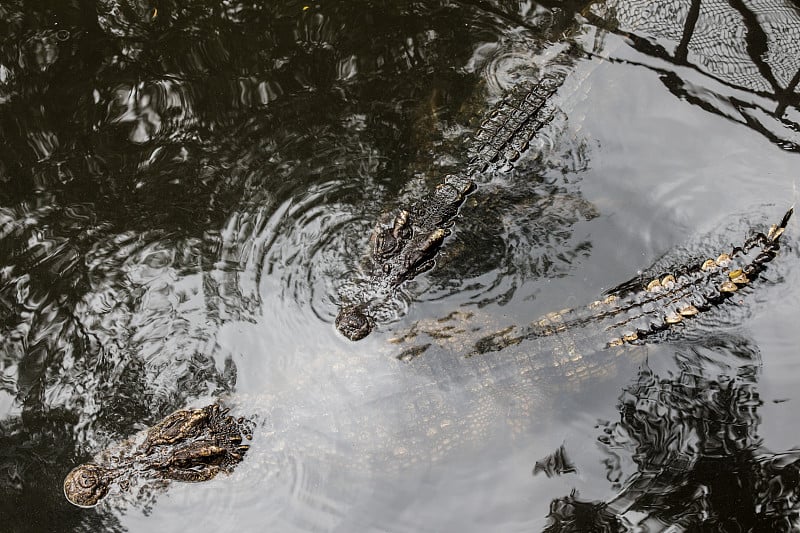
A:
406	244
631	313
493	372
188	445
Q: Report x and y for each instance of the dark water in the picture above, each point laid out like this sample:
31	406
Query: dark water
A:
187	192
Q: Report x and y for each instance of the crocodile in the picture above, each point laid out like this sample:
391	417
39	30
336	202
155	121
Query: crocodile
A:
633	312
510	126
393	421
188	445
405	244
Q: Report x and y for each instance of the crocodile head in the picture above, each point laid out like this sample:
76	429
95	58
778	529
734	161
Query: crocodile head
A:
87	484
188	445
388	241
413	254
180	426
353	322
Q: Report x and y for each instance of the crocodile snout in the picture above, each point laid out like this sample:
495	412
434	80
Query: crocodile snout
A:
353	323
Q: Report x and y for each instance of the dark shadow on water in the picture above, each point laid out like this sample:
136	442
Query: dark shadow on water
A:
35	450
147	150
691	438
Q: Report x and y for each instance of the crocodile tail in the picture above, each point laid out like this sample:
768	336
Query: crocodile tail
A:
698	289
769	243
637	311
514	121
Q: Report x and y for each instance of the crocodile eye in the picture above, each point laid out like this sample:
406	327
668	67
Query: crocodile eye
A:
386	245
405	232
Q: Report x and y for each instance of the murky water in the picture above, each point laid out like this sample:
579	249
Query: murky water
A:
187	194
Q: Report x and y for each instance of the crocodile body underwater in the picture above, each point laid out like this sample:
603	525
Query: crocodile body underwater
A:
400	420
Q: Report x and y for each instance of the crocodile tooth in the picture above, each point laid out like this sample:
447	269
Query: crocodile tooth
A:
688	310
728	286
610	299
654	286
616	342
723	259
708	264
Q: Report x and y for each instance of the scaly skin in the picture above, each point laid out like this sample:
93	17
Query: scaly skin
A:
188	445
401	418
407	247
631	313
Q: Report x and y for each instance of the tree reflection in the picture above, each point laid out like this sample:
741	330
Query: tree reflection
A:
145	145
143	148
745	52
699	461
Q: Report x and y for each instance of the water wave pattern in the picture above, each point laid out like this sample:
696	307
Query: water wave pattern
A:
185	190
528	231
499	142
693	429
636	312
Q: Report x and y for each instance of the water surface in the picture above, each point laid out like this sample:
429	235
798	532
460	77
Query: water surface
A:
187	194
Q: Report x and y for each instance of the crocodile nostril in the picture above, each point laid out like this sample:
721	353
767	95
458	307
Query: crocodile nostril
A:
84	485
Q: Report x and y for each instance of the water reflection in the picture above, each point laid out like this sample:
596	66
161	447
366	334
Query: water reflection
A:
173	174
686	452
33	448
737	59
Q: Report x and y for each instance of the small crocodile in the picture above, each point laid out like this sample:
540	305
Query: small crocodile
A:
187	445
405	245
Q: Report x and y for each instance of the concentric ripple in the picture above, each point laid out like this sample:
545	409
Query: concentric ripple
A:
294	254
